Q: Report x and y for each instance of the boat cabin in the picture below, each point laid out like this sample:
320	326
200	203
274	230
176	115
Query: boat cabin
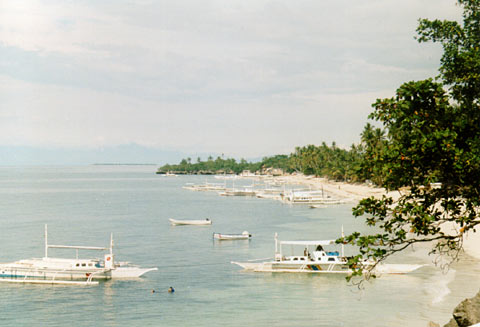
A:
84	264
313	251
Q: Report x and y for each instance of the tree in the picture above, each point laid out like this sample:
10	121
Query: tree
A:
373	141
431	150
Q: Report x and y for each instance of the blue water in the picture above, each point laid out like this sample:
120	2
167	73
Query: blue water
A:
82	205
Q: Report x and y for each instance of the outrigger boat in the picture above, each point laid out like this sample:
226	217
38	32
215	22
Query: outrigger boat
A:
205	187
228	237
316	259
48	270
176	222
238	192
311	197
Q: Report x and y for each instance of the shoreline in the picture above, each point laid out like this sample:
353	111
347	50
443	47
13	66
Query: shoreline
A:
356	192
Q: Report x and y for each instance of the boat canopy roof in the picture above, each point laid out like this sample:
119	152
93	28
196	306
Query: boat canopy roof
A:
78	247
323	242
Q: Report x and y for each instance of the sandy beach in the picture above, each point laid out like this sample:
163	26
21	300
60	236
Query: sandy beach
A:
356	192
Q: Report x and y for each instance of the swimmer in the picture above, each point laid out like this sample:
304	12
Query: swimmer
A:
171	290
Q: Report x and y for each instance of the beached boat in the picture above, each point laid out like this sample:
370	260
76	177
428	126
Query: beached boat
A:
230	237
269	193
311	197
176	222
261	195
315	259
247	191
67	271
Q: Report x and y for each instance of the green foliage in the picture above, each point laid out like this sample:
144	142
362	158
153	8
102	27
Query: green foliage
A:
373	140
420	139
219	165
331	162
460	63
432	134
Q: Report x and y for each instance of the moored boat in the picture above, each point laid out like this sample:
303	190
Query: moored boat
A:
176	222
228	237
238	192
57	270
269	193
311	197
315	259
205	187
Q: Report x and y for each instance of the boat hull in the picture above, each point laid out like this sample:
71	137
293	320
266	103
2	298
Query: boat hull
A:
129	272
313	267
52	274
16	270
189	222
292	267
231	237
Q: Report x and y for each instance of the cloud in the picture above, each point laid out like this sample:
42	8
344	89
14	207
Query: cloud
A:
245	76
70	117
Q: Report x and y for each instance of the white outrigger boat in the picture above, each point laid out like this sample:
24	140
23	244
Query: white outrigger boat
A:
317	260
311	197
246	191
48	270
230	237
176	222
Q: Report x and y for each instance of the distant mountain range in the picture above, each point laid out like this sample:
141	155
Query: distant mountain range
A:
122	154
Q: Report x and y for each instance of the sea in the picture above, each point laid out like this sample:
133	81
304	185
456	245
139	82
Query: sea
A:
83	205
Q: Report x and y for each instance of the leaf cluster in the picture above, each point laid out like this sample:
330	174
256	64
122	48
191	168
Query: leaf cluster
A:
430	151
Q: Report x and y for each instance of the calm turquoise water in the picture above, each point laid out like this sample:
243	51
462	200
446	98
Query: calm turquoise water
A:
82	205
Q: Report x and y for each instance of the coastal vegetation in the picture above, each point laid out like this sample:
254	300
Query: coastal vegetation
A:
228	166
331	162
430	150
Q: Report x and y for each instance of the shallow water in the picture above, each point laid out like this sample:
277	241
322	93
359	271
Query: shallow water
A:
82	205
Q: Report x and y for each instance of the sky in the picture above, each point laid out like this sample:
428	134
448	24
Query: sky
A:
244	78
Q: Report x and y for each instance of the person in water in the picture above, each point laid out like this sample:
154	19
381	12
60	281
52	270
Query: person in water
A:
171	290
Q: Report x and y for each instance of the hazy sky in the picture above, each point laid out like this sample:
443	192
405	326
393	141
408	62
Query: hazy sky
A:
244	78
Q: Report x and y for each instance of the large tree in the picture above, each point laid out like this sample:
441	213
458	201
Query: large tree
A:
431	151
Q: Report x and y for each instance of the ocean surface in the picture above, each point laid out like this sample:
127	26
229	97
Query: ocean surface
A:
83	205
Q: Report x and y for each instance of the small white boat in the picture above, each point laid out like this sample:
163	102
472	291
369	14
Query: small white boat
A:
176	222
315	259
227	237
48	270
